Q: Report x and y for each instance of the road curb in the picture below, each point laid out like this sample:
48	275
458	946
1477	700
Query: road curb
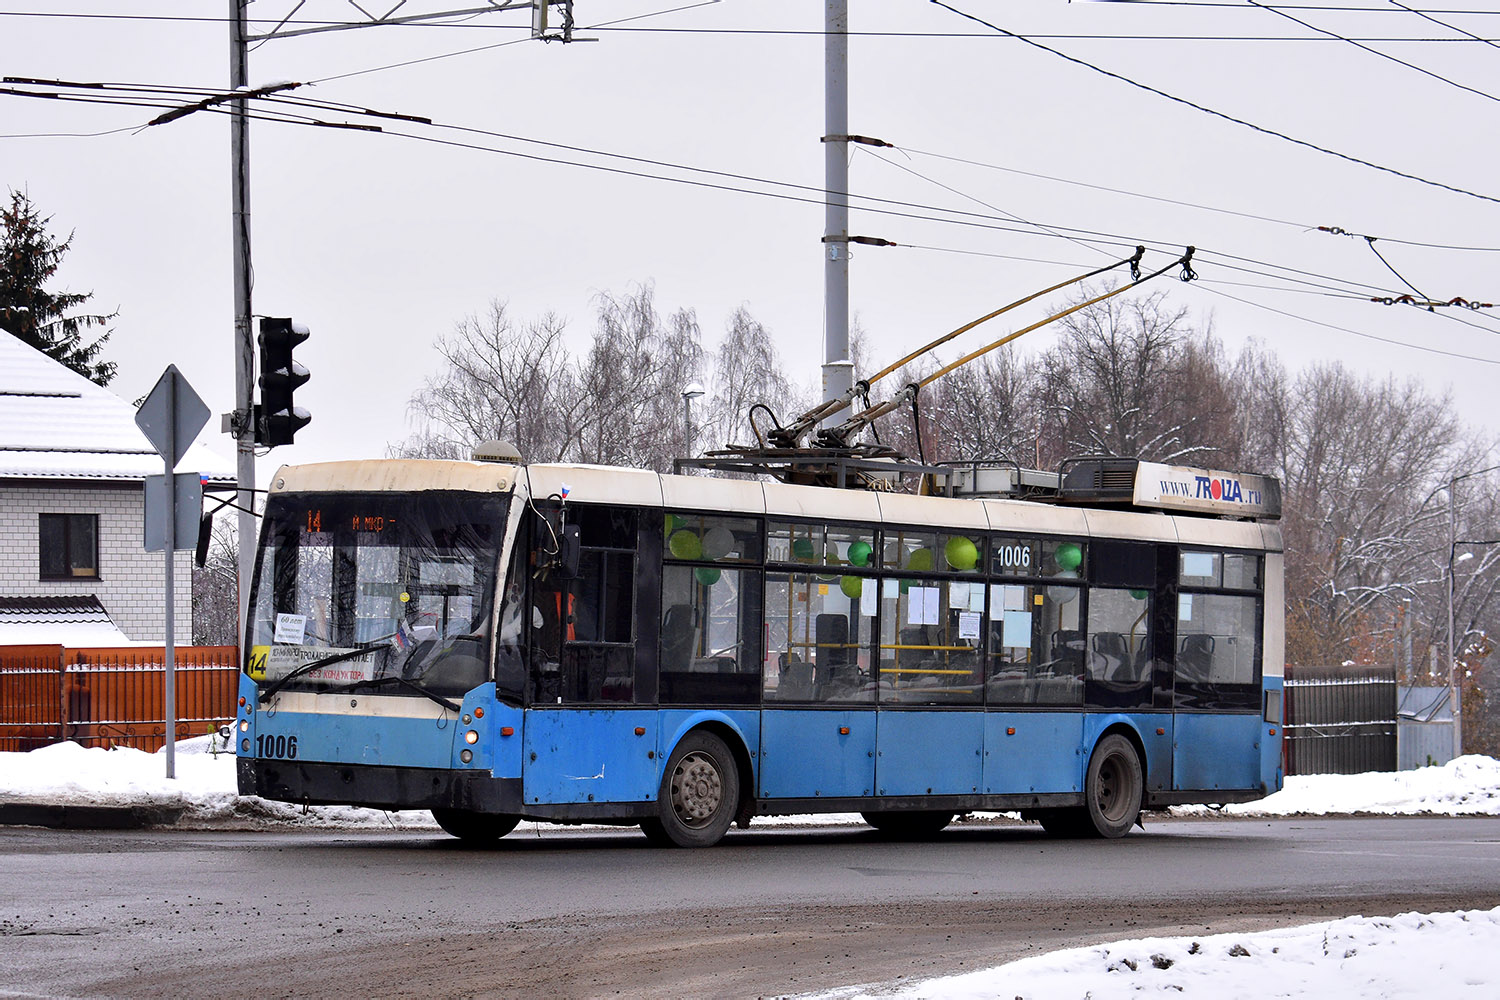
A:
75	817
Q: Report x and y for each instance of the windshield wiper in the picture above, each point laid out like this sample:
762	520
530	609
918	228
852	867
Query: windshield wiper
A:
395	679
348	654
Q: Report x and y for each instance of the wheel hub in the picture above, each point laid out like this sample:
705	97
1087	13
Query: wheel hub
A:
697	788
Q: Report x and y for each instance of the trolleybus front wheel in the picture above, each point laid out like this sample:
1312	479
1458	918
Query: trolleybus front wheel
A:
474	827
699	795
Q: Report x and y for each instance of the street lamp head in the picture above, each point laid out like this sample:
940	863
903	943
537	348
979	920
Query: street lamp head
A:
693	391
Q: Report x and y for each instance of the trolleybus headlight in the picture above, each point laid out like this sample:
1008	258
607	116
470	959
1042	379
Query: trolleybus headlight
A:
244	725
478	713
244	746
471	737
466	756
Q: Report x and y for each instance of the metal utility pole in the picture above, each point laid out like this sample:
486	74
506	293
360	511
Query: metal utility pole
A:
1453	682
242	423
838	370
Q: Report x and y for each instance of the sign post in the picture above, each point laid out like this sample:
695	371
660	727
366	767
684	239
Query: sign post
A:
171	418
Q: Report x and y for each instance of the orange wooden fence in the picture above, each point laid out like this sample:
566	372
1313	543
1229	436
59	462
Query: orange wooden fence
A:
111	696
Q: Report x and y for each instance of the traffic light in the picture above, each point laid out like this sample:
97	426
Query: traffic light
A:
276	419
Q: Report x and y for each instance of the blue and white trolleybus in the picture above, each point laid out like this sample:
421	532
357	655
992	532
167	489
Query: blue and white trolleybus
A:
496	641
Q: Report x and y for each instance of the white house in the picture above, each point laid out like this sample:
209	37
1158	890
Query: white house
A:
73	568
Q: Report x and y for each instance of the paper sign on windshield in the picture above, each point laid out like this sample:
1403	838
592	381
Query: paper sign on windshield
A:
282	660
291	628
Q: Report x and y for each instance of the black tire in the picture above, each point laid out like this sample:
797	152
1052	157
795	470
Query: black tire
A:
909	825
1113	788
474	827
699	794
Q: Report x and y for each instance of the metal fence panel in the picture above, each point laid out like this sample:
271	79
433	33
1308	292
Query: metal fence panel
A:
111	696
1340	719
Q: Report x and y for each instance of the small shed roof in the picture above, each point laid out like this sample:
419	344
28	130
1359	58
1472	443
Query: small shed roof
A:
76	620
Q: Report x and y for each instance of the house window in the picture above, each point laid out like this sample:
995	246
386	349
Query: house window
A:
69	546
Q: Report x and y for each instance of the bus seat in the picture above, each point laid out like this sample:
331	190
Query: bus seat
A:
831	633
677	629
1111	661
1195	659
796	682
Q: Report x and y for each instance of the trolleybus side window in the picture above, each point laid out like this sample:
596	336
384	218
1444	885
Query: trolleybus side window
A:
1219	614
583	626
1120	654
820	612
1035	629
710	611
931	624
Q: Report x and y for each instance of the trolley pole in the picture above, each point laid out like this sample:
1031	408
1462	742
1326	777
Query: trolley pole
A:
242	423
838	370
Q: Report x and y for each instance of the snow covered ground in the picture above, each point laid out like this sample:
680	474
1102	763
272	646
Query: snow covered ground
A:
1358	958
1426	955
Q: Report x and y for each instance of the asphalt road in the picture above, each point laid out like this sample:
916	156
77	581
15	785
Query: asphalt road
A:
587	913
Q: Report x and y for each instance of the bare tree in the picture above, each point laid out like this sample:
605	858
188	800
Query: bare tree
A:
1132	377
1361	463
986	409
216	587
499	380
631	383
747	371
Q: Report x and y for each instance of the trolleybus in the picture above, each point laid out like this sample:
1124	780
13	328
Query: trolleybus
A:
495	641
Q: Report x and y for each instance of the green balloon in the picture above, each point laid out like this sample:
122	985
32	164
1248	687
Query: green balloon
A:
685	544
920	560
961	553
802	548
1140	595
708	575
852	586
859	553
1068	556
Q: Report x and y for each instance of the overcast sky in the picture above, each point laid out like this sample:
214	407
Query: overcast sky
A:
380	242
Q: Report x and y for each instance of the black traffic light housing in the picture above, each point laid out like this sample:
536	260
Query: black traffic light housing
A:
276	419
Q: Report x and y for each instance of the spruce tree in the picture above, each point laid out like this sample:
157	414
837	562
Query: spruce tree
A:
29	258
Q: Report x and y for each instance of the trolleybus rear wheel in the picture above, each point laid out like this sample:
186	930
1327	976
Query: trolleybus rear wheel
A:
917	825
699	795
1113	788
475	827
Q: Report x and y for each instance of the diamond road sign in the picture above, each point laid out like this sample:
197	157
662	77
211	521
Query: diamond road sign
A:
172	416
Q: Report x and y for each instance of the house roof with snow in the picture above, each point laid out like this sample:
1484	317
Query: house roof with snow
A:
77	620
56	424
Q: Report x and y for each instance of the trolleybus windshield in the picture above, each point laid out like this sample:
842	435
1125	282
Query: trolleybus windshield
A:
375	591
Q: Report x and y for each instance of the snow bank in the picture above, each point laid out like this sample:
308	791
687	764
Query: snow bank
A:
1359	958
1465	786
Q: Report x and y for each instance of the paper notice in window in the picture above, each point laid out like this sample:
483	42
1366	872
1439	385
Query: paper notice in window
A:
968	624
1017	628
923	605
291	629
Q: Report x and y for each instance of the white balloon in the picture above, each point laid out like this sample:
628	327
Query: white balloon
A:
717	542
